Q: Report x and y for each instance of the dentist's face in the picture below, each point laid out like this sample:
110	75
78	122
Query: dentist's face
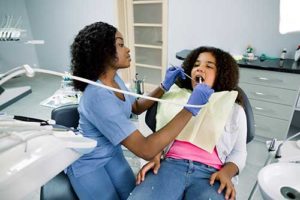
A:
122	52
205	69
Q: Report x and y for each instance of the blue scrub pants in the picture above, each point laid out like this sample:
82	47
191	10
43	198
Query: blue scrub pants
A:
114	181
178	179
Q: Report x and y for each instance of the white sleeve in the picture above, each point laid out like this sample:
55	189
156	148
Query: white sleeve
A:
238	154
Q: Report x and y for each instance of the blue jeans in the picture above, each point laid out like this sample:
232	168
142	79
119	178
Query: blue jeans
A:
114	181
178	179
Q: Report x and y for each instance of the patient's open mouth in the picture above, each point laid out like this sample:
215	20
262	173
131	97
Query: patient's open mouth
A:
199	79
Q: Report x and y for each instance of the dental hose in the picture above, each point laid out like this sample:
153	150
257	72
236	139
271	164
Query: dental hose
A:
30	72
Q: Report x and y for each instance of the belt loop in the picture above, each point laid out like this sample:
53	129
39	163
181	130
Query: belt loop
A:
191	166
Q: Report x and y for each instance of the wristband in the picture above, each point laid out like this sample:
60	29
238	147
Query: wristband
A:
162	88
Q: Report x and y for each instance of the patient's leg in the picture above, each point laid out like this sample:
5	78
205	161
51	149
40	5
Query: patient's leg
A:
168	184
199	187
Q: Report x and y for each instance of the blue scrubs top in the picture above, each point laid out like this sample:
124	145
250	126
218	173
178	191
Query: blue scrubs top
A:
105	118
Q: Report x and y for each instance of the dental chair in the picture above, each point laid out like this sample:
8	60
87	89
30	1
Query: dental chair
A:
150	118
60	188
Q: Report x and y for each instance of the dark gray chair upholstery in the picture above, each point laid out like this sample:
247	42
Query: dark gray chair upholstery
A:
67	115
249	116
60	188
150	118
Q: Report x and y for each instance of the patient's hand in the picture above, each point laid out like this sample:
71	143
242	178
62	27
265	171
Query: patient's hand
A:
225	182
153	164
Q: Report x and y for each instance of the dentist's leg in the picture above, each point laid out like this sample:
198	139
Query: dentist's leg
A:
114	181
94	185
121	175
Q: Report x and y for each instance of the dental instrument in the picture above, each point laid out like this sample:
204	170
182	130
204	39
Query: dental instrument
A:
189	76
200	79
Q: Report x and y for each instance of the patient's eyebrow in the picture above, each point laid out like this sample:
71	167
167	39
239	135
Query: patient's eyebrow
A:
208	62
119	38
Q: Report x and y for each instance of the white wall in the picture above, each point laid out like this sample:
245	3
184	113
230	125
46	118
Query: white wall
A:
57	22
15	53
230	25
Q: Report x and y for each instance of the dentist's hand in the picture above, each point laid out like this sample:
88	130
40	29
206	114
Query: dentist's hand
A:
199	96
171	76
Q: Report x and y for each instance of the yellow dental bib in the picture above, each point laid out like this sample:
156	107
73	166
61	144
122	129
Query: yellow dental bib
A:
205	129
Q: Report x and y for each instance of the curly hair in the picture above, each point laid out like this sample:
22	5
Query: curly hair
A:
92	51
227	76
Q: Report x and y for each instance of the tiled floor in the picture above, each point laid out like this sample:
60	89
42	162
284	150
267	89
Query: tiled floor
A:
44	86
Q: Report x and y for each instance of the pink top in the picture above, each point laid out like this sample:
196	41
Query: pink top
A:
188	151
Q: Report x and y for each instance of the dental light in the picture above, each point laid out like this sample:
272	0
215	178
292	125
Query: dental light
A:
30	72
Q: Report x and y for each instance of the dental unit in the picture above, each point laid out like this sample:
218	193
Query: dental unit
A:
31	154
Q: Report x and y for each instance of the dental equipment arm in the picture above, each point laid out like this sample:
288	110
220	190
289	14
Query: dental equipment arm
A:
30	72
12	94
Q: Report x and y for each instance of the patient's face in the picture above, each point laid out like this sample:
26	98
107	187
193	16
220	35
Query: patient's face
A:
204	69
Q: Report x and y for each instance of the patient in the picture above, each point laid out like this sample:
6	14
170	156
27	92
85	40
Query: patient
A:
188	171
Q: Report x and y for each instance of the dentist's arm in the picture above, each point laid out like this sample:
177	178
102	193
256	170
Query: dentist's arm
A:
148	147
